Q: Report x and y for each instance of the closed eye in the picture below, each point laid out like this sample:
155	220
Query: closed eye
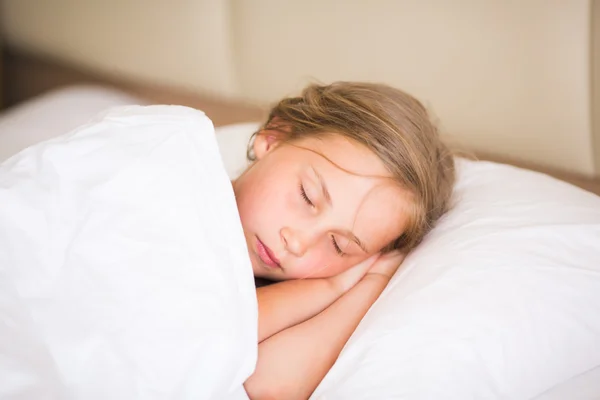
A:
337	247
305	196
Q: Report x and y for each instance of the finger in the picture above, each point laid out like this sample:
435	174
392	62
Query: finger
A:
393	255
360	269
368	262
357	268
388	263
351	276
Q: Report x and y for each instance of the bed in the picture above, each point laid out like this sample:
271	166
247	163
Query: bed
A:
500	302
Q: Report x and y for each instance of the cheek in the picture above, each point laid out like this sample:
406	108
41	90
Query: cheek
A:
320	263
266	206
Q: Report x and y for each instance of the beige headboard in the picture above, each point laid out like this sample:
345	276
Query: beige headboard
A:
513	78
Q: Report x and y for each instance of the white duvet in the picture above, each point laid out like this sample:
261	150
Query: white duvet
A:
123	268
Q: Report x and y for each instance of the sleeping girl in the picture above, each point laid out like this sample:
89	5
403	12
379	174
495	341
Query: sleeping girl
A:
344	181
125	258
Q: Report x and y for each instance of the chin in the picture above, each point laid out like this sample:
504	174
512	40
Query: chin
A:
260	271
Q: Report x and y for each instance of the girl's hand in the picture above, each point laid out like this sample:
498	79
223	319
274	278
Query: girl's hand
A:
346	280
387	264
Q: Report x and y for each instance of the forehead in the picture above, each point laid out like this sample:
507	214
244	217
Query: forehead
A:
346	154
363	194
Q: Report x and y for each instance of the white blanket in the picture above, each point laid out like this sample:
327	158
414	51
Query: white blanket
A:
123	268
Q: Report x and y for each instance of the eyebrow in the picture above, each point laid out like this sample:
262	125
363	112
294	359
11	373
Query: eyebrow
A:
347	233
356	240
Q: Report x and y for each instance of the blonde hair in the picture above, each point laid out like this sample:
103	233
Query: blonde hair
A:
389	122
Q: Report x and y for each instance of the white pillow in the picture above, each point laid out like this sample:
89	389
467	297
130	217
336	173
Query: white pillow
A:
55	113
233	142
501	301
124	272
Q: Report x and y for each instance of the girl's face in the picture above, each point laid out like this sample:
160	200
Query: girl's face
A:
304	216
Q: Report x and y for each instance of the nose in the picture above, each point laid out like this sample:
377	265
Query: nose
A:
295	241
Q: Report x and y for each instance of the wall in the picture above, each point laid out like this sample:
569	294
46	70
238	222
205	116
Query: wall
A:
512	78
186	43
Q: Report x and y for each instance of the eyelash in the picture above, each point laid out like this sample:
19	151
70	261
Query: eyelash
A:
337	247
310	203
305	197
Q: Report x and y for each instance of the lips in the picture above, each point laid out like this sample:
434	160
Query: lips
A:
266	255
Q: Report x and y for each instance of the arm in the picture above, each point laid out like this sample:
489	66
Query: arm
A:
293	362
288	303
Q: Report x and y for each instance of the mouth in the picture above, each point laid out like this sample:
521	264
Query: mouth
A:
266	255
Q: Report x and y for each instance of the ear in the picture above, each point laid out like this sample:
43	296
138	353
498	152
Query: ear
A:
265	141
